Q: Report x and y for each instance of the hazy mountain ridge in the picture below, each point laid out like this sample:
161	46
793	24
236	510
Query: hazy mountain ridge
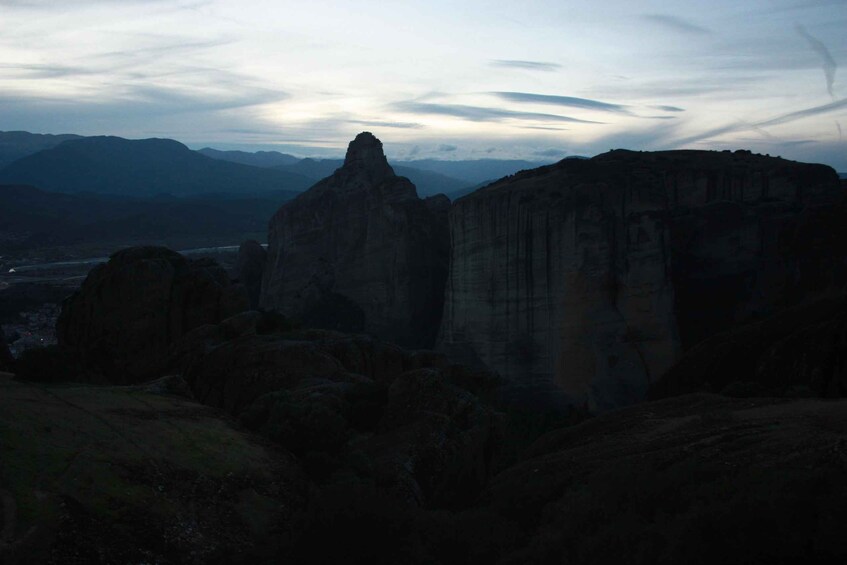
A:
141	168
474	171
15	145
145	167
427	183
266	159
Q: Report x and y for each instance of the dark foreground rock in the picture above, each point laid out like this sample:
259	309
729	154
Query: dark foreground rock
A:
129	312
801	351
6	359
352	407
697	479
124	475
360	252
588	279
248	269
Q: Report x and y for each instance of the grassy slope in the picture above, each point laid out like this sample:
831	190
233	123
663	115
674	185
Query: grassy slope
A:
127	475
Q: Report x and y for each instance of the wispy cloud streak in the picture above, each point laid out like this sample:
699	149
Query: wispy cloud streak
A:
676	24
783	119
526	65
829	64
383	124
481	114
568	101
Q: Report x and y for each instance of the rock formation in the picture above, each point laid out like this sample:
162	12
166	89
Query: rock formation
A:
130	311
248	269
360	252
585	280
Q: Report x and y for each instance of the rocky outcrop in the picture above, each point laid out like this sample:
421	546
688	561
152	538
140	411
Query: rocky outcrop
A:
360	252
248	269
129	312
587	279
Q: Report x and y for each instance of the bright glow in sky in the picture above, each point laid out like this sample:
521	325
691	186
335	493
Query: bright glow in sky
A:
540	79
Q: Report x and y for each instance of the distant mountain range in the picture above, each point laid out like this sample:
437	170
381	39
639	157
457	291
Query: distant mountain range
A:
257	159
60	190
428	183
63	191
430	176
144	167
474	171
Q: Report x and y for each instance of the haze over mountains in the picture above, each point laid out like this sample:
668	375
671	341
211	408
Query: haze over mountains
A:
69	190
146	167
17	144
430	176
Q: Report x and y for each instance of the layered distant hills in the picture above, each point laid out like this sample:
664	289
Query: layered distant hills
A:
427	183
60	190
144	167
17	144
257	159
430	176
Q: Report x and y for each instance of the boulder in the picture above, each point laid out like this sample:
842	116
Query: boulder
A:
129	312
360	252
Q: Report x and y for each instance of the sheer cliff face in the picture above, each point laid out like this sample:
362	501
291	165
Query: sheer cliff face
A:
585	280
360	252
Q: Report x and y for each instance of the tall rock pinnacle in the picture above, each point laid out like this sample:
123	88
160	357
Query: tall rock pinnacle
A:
366	157
360	252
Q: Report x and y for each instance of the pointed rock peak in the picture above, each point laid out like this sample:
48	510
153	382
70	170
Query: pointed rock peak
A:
364	154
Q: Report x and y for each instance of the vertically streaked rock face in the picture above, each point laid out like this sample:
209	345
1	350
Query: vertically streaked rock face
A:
129	312
360	252
585	280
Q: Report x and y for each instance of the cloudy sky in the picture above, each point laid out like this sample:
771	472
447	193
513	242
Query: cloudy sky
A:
540	79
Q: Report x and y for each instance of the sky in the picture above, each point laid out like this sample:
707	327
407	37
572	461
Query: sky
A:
538	80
